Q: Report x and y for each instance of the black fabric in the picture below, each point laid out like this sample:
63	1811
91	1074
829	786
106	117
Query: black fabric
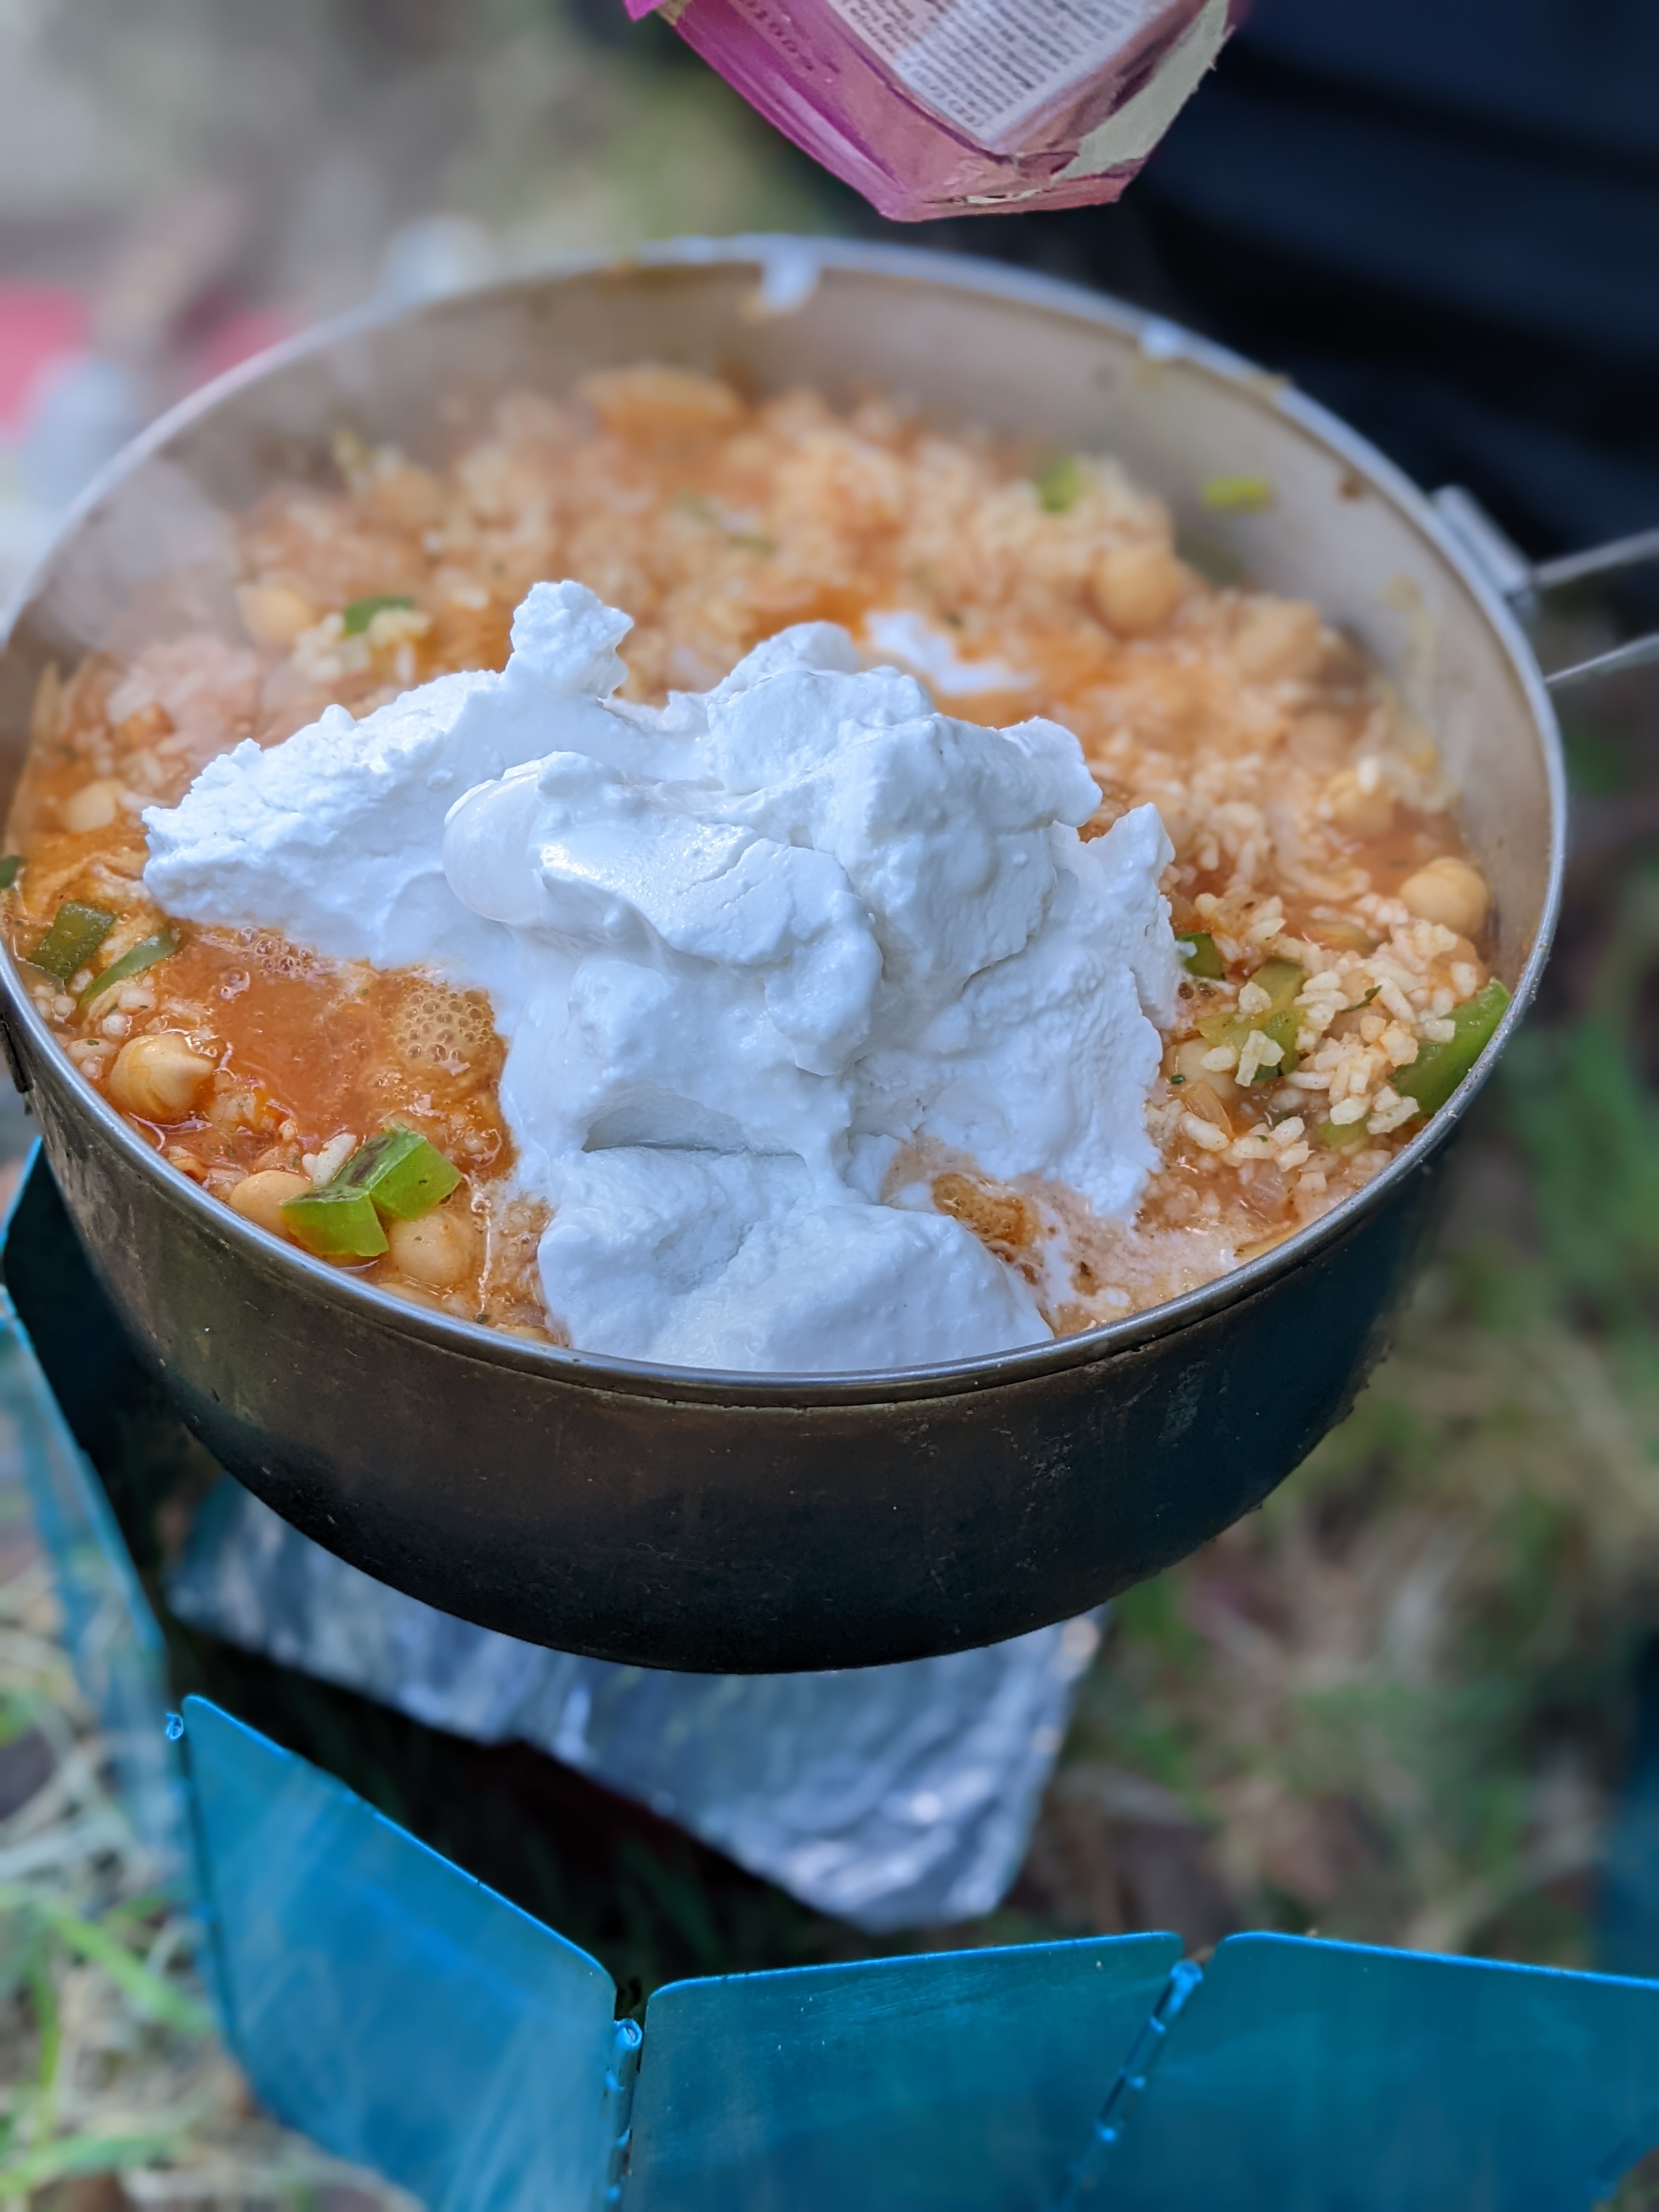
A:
1442	217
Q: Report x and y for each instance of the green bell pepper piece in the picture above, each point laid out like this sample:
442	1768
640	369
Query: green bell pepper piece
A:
1061	485
356	617
1282	980
1343	1136
1283	1027
399	1173
75	934
1199	951
1238	494
336	1225
133	962
1439	1069
10	865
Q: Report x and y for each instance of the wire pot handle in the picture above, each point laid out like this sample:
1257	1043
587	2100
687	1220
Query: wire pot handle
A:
1507	568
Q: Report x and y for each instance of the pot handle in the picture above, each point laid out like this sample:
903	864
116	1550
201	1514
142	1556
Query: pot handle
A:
1519	581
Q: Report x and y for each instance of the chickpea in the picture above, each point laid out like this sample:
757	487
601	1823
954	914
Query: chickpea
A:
260	1198
1363	809
159	1078
661	403
439	1252
1190	1058
410	498
1319	740
94	806
1449	892
1277	640
274	615
1138	587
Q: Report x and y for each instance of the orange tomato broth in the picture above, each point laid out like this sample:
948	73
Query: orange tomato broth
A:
716	523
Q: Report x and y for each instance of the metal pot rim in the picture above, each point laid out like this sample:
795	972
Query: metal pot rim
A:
786	270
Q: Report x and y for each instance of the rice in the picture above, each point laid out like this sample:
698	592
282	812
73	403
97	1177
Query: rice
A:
1313	829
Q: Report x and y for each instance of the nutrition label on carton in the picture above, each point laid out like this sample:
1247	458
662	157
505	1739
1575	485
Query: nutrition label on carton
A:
989	66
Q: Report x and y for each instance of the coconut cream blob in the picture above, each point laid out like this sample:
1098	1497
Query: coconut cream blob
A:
760	956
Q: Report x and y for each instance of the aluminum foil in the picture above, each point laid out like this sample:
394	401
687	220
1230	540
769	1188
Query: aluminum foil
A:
891	1796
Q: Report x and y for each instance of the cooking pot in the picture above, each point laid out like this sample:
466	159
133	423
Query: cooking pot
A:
677	1517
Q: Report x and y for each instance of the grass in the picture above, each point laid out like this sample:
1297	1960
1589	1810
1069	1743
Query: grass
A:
1393	1703
108	2061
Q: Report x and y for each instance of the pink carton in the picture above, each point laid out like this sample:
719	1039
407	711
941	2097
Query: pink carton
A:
934	107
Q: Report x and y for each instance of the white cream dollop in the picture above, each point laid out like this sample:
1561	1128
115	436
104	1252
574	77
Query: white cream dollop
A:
745	948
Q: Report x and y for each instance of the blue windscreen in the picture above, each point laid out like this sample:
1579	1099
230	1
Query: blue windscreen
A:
387	2002
1305	2077
960	2082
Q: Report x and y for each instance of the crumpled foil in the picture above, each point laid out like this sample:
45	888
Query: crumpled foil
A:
893	1797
